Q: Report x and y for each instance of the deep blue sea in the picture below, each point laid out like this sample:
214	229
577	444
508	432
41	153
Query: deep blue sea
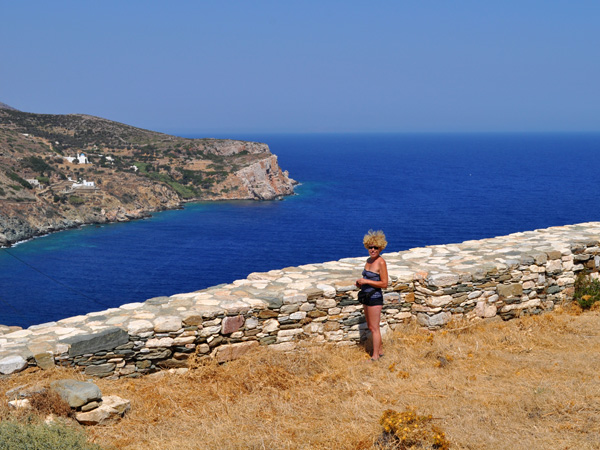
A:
421	189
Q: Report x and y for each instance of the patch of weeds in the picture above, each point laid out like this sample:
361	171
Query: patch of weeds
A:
40	436
406	430
587	291
49	402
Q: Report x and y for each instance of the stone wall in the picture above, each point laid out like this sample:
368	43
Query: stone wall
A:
522	273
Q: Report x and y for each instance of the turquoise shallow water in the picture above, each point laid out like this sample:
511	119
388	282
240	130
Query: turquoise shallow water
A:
420	189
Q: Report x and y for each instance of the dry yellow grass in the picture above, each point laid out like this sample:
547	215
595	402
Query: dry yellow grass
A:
531	383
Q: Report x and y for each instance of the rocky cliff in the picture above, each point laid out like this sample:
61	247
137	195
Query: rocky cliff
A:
62	171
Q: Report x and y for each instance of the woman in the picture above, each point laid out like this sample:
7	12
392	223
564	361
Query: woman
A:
375	278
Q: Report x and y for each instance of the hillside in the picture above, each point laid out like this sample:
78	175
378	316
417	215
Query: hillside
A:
5	106
61	171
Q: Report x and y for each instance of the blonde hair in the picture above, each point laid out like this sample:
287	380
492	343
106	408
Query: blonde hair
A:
375	238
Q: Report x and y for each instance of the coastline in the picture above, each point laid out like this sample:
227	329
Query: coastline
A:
145	214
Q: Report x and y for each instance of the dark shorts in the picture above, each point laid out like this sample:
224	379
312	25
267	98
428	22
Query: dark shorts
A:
375	300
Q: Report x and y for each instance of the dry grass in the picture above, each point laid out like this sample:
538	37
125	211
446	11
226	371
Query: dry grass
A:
531	383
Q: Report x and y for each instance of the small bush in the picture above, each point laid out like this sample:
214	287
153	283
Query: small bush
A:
75	200
13	176
587	291
408	430
41	436
49	402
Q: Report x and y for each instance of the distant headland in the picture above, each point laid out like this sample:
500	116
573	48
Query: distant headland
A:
63	171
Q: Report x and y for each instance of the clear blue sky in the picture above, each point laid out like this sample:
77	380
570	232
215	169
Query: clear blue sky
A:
307	66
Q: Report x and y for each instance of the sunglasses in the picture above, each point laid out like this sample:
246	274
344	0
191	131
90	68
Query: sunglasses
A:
373	247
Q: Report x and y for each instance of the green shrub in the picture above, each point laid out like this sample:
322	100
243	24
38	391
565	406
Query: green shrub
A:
587	290
40	436
185	192
37	164
76	200
13	176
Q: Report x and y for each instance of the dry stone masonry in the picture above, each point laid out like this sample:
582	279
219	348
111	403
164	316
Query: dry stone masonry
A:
522	273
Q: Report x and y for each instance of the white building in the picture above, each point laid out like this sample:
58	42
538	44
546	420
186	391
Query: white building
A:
81	158
84	184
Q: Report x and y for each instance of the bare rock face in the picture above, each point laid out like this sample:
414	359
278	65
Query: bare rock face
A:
264	180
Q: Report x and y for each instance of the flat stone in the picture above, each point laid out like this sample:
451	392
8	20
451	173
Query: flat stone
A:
485	310
106	340
443	279
44	360
270	325
89	406
12	364
234	351
232	324
192	320
235	307
438	301
165	342
326	303
110	411
165	324
136	327
554	254
298	315
157	300
76	393
267	314
273	302
283	346
313	293
435	320
155	354
251	323
509	290
100	370
293	299
131	306
328	291
288	309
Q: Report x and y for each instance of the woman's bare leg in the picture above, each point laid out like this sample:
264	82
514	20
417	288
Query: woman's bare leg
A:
373	316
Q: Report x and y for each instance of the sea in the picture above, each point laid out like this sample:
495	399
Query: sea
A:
420	189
